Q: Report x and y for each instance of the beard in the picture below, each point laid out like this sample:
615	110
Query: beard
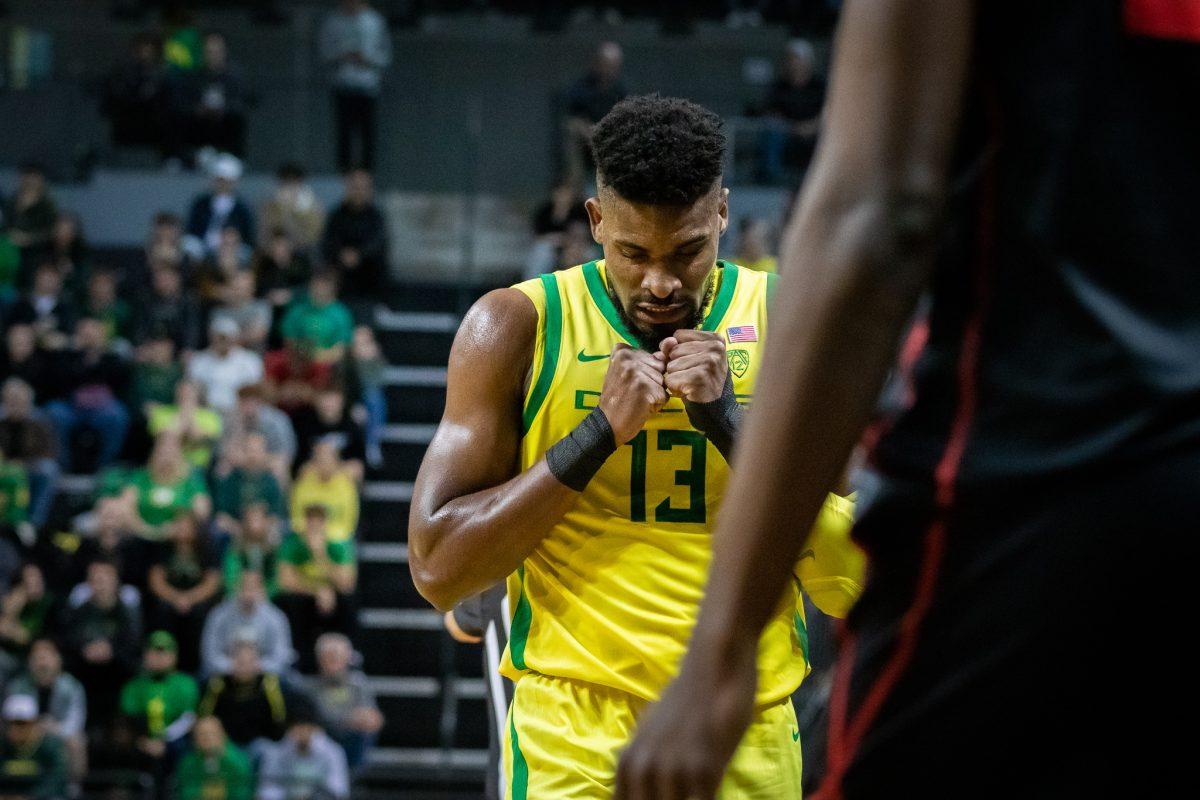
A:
650	336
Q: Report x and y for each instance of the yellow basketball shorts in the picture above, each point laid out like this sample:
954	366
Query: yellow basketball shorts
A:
564	738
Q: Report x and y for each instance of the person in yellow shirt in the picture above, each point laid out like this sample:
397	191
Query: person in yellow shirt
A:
324	481
584	452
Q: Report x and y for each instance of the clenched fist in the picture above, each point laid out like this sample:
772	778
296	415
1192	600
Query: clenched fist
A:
696	365
633	390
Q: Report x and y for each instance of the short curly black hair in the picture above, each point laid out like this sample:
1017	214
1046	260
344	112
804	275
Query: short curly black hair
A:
659	150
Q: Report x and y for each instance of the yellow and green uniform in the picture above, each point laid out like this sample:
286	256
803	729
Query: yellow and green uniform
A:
603	608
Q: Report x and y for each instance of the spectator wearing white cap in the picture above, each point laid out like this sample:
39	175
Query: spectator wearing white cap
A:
218	209
62	704
33	763
225	366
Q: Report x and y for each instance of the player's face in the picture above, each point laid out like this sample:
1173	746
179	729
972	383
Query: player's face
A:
659	259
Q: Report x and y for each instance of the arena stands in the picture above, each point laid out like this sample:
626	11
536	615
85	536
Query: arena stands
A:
220	373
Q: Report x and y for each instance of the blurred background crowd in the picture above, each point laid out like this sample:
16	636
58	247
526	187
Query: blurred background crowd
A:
223	352
228	407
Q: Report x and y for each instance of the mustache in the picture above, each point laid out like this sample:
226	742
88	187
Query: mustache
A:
674	299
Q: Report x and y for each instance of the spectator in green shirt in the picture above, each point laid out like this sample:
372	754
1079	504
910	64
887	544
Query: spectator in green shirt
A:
182	48
253	549
159	705
33	763
156	372
316	584
165	486
103	303
198	426
251	482
215	769
14	495
10	264
319	324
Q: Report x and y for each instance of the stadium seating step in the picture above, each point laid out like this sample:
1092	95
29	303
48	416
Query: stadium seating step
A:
401	460
386	583
415	402
384	521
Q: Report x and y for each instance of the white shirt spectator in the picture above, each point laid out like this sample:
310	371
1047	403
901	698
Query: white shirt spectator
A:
236	620
224	367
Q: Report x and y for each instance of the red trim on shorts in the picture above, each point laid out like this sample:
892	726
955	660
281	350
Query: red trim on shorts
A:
846	733
910	353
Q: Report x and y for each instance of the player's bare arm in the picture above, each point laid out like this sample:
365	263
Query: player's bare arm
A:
857	254
475	516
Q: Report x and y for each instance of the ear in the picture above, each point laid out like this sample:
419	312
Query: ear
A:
595	219
723	209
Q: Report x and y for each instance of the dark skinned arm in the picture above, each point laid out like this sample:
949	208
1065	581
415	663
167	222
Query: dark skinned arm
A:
474	516
857	254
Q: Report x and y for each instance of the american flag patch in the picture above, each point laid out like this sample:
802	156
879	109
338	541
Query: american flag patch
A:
742	333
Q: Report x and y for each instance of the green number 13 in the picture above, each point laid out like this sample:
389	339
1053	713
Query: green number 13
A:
692	477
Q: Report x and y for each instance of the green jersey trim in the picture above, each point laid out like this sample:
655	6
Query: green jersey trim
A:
724	298
596	288
604	304
553	341
519	631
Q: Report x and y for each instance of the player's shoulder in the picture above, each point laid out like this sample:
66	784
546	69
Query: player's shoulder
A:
513	313
498	319
540	290
495	343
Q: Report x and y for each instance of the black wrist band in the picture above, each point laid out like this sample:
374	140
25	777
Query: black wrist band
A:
576	459
719	420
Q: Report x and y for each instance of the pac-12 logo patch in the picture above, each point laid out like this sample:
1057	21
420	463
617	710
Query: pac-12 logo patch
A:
739	361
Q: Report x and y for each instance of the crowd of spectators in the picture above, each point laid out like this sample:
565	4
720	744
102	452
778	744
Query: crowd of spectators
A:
177	92
193	622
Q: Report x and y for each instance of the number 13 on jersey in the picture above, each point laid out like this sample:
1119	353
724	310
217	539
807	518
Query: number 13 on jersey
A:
692	477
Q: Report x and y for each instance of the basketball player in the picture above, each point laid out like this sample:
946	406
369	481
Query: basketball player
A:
584	450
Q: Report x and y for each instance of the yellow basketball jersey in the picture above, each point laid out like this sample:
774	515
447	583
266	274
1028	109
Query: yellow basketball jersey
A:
611	594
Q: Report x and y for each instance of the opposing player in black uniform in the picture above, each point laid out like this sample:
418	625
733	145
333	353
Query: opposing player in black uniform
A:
1034	166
